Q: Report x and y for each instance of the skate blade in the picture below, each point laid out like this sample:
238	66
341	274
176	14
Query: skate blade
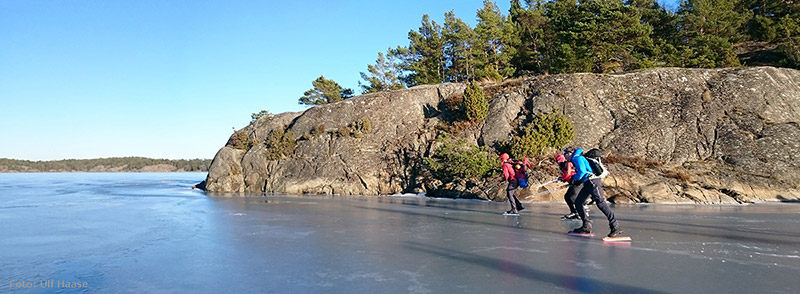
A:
585	235
616	239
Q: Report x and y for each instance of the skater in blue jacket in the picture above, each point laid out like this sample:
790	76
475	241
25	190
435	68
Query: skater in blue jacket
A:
592	187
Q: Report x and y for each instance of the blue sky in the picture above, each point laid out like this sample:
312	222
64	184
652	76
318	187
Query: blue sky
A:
171	79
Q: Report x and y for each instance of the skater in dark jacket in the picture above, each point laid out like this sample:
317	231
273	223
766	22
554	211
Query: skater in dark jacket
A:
592	187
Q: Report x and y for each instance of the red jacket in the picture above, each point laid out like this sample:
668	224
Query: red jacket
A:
508	171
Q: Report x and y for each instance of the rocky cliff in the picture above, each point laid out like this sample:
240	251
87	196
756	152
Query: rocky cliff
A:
673	135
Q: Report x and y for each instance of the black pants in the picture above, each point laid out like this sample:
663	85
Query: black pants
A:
594	188
571	195
512	198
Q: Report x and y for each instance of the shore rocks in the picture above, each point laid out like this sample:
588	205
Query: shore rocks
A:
718	136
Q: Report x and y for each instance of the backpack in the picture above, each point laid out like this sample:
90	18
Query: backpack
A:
521	173
595	158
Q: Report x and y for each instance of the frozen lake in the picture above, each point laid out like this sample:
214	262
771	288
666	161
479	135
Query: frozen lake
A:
151	233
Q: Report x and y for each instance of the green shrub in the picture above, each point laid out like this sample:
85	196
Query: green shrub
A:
528	143
457	159
363	126
549	130
791	53
356	129
762	28
280	142
475	105
240	140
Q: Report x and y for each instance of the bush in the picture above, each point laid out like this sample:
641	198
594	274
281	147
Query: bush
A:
678	174
240	140
791	53
475	105
456	159
318	130
363	126
344	131
280	142
356	129
762	28
550	130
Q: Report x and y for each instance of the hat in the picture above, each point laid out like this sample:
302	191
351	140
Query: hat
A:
560	158
504	156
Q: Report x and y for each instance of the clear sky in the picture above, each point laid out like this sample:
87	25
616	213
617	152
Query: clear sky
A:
171	79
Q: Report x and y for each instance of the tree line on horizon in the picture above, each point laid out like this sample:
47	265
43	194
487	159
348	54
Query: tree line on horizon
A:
571	36
84	165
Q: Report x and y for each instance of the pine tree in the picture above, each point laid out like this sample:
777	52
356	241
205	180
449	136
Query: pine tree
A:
567	51
459	39
475	105
665	39
615	34
256	115
710	28
383	76
530	27
497	39
324	91
423	59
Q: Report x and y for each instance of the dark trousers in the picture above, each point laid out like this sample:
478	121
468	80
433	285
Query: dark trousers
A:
512	198
594	188
571	195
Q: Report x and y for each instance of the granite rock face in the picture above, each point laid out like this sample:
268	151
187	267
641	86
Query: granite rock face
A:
717	136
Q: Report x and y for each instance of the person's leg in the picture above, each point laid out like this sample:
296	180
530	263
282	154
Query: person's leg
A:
581	198
596	191
516	200
570	196
512	187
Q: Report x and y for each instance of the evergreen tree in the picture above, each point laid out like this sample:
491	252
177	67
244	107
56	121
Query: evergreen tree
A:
424	58
383	76
459	39
710	28
665	44
256	115
567	51
529	27
324	91
615	34
475	105
497	39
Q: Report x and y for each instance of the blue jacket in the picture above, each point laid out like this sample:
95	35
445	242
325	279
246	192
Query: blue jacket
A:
582	168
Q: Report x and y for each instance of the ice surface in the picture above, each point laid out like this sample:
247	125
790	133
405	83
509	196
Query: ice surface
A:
150	233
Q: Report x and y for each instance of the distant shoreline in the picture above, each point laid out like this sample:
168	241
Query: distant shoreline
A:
113	164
